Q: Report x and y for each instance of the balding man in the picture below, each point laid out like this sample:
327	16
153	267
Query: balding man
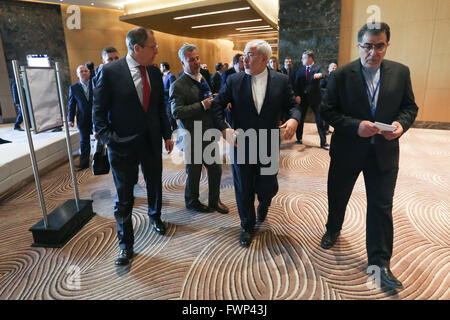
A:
130	117
260	97
80	105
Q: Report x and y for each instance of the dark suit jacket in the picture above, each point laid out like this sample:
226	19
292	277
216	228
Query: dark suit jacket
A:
16	94
186	105
292	74
308	90
227	73
170	78
347	104
119	117
84	110
216	82
279	99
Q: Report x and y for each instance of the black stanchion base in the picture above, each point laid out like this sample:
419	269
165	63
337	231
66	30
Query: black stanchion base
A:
64	222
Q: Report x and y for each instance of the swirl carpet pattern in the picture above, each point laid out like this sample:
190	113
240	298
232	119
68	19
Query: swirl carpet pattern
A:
199	257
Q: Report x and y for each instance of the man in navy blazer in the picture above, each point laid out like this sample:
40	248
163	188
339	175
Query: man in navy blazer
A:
80	105
168	79
307	91
259	97
358	94
130	117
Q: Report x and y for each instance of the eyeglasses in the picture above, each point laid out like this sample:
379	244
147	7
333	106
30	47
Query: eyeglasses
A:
250	55
378	47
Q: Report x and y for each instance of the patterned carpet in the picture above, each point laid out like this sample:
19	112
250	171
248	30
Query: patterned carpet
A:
200	257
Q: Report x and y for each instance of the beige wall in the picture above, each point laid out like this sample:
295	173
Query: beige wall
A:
101	28
420	33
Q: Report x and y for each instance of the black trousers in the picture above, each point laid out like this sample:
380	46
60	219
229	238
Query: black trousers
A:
319	124
380	187
248	181
85	144
194	172
124	162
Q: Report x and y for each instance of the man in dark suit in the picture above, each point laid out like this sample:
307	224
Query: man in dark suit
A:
307	91
238	66
359	93
289	71
190	98
16	100
80	105
216	78
109	54
259	96
168	79
130	117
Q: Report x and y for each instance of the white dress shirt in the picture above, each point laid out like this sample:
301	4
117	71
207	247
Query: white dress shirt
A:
259	87
137	77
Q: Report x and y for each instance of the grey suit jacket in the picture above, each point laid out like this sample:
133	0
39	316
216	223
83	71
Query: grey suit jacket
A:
186	106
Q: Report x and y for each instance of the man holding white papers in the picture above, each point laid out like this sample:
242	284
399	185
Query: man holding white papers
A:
365	91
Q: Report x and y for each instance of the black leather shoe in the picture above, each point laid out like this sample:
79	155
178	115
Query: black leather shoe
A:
18	129
198	206
220	207
158	226
262	212
325	146
124	257
245	238
388	279
4	141
329	239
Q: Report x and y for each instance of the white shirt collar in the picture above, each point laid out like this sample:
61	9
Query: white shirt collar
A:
131	62
259	75
197	77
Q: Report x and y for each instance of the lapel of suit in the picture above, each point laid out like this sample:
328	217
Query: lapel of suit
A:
81	92
248	88
360	87
126	76
267	97
384	74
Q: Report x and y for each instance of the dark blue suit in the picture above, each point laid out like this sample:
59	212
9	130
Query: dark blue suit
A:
167	82
133	137
309	92
19	118
247	177
81	107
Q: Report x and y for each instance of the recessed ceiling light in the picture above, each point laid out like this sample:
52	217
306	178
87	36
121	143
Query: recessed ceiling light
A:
253	27
92	3
250	30
250	34
224	23
210	13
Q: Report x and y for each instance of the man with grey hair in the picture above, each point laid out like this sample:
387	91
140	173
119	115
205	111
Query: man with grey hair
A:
130	117
259	97
190	98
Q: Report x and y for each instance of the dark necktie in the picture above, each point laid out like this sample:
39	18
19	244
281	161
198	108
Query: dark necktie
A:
145	88
307	73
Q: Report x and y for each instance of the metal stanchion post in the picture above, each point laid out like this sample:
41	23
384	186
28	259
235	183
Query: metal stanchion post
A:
30	141
68	143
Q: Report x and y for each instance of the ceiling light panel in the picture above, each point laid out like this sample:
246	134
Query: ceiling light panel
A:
211	13
225	23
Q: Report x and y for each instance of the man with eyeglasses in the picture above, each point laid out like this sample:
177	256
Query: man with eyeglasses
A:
360	93
130	117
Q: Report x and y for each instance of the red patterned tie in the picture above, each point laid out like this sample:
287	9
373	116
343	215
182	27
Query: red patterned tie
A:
145	88
307	73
